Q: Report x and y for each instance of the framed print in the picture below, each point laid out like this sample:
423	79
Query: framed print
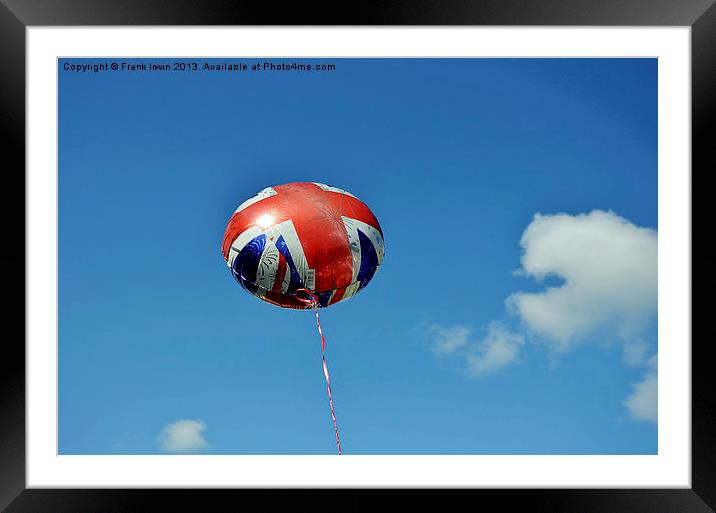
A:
524	332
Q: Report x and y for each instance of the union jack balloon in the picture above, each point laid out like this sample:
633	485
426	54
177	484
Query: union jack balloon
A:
303	236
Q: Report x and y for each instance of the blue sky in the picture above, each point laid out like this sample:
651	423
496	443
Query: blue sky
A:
459	345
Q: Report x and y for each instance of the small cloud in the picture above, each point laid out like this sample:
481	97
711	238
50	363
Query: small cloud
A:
643	402
500	348
183	436
447	340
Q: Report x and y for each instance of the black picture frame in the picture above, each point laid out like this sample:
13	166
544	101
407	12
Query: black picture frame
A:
17	15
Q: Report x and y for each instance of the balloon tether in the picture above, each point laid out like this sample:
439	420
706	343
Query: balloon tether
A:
312	300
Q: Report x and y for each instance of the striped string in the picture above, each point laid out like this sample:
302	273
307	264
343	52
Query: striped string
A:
312	300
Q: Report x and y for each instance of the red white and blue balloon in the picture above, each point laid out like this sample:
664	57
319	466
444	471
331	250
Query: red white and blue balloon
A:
303	235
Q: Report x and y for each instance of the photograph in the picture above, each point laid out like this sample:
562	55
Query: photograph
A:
468	244
410	247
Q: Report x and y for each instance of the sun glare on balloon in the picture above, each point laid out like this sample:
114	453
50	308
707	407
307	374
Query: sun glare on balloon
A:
265	221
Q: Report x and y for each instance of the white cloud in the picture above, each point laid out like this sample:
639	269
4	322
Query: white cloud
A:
642	403
500	348
183	436
447	340
609	267
609	270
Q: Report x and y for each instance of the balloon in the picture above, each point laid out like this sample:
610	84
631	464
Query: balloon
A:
303	235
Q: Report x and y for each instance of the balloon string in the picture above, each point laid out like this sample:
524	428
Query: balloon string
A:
313	301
